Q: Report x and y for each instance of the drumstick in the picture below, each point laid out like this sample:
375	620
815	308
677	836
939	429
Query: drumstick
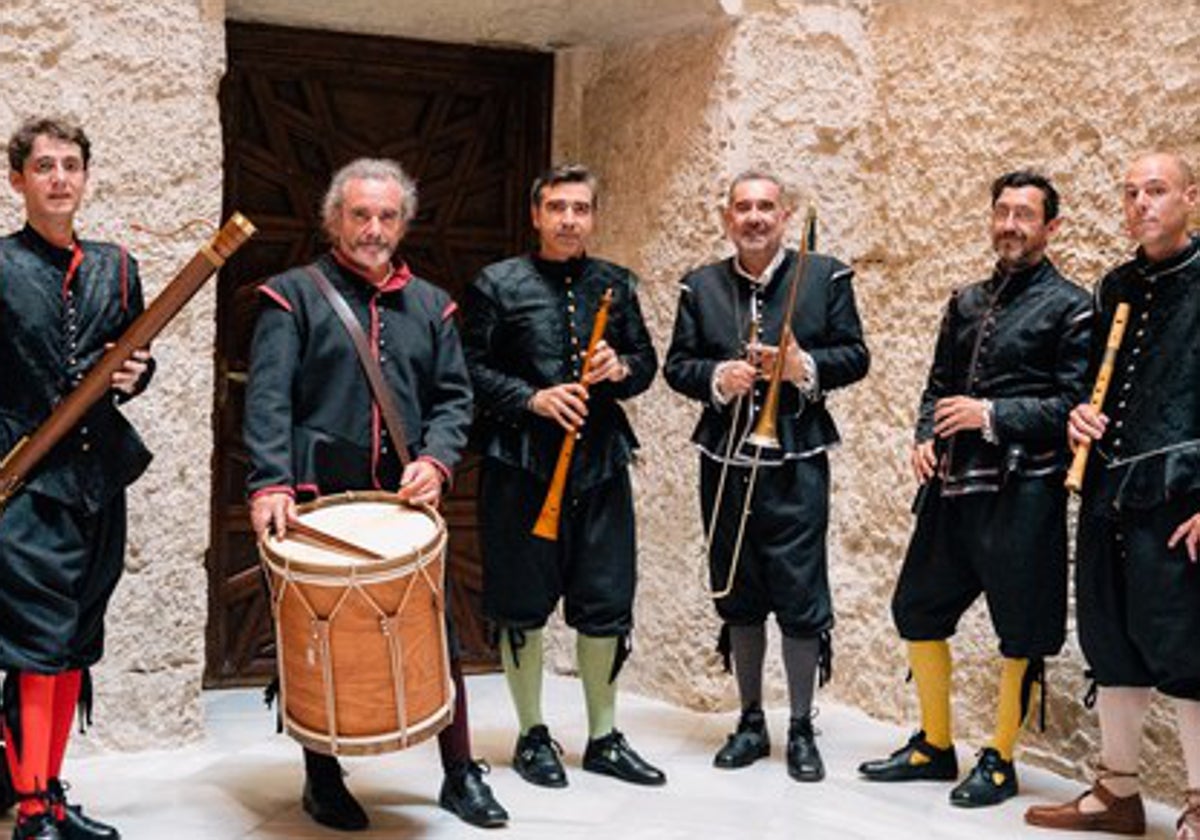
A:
329	540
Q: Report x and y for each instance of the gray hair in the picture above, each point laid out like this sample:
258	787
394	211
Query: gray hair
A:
368	169
759	174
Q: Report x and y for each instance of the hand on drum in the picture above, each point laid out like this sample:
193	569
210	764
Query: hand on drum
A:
421	483
271	512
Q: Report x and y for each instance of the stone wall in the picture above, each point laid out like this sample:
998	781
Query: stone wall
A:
892	118
142	78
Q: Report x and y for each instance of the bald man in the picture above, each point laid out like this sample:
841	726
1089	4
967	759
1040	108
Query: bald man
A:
1138	584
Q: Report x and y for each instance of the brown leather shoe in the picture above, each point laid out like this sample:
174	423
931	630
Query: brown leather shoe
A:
1187	827
1121	814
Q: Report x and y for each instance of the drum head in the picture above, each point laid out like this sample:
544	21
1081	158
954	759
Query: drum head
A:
382	525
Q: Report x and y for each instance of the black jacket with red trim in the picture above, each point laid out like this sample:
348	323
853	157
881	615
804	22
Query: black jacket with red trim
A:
58	309
526	325
311	421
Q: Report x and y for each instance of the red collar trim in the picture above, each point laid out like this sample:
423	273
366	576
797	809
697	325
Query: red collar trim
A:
73	268
394	282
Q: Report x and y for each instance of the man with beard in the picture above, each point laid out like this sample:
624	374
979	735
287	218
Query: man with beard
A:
527	324
1138	581
63	301
780	564
312	423
990	456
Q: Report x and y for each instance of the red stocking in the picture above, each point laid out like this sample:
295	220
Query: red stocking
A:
30	765
66	698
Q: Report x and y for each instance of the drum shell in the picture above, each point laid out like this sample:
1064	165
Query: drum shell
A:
362	650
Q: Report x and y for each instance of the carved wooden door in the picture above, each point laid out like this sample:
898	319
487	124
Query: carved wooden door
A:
472	126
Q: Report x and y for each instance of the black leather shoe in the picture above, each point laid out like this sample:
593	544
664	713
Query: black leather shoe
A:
326	798
466	794
37	827
74	825
746	744
611	755
536	758
990	782
803	758
901	766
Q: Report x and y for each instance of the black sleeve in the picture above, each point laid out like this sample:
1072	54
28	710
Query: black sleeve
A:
628	336
267	424
686	370
1044	418
842	357
496	392
941	373
445	426
137	305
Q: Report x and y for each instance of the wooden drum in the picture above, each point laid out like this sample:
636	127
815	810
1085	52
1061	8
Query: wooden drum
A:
361	644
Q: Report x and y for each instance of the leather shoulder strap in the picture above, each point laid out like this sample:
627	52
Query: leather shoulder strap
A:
370	366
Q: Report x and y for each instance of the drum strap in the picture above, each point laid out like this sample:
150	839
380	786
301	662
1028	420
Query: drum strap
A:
370	365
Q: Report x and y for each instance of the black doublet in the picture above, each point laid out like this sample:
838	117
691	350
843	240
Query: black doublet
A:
62	537
51	334
526	326
312	424
1138	601
712	325
1151	451
1020	341
783	566
993	519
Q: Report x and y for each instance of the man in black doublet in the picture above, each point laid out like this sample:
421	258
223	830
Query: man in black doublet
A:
990	456
780	564
527	324
63	300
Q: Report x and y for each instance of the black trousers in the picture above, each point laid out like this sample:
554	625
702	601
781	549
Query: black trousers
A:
591	566
1009	545
782	567
58	569
1138	601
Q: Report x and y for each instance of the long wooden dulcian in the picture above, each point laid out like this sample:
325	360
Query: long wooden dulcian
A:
1116	333
546	526
29	451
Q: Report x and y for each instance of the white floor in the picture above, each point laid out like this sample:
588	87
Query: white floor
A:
244	782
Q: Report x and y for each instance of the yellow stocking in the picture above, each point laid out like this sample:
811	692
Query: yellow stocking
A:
1008	711
930	663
